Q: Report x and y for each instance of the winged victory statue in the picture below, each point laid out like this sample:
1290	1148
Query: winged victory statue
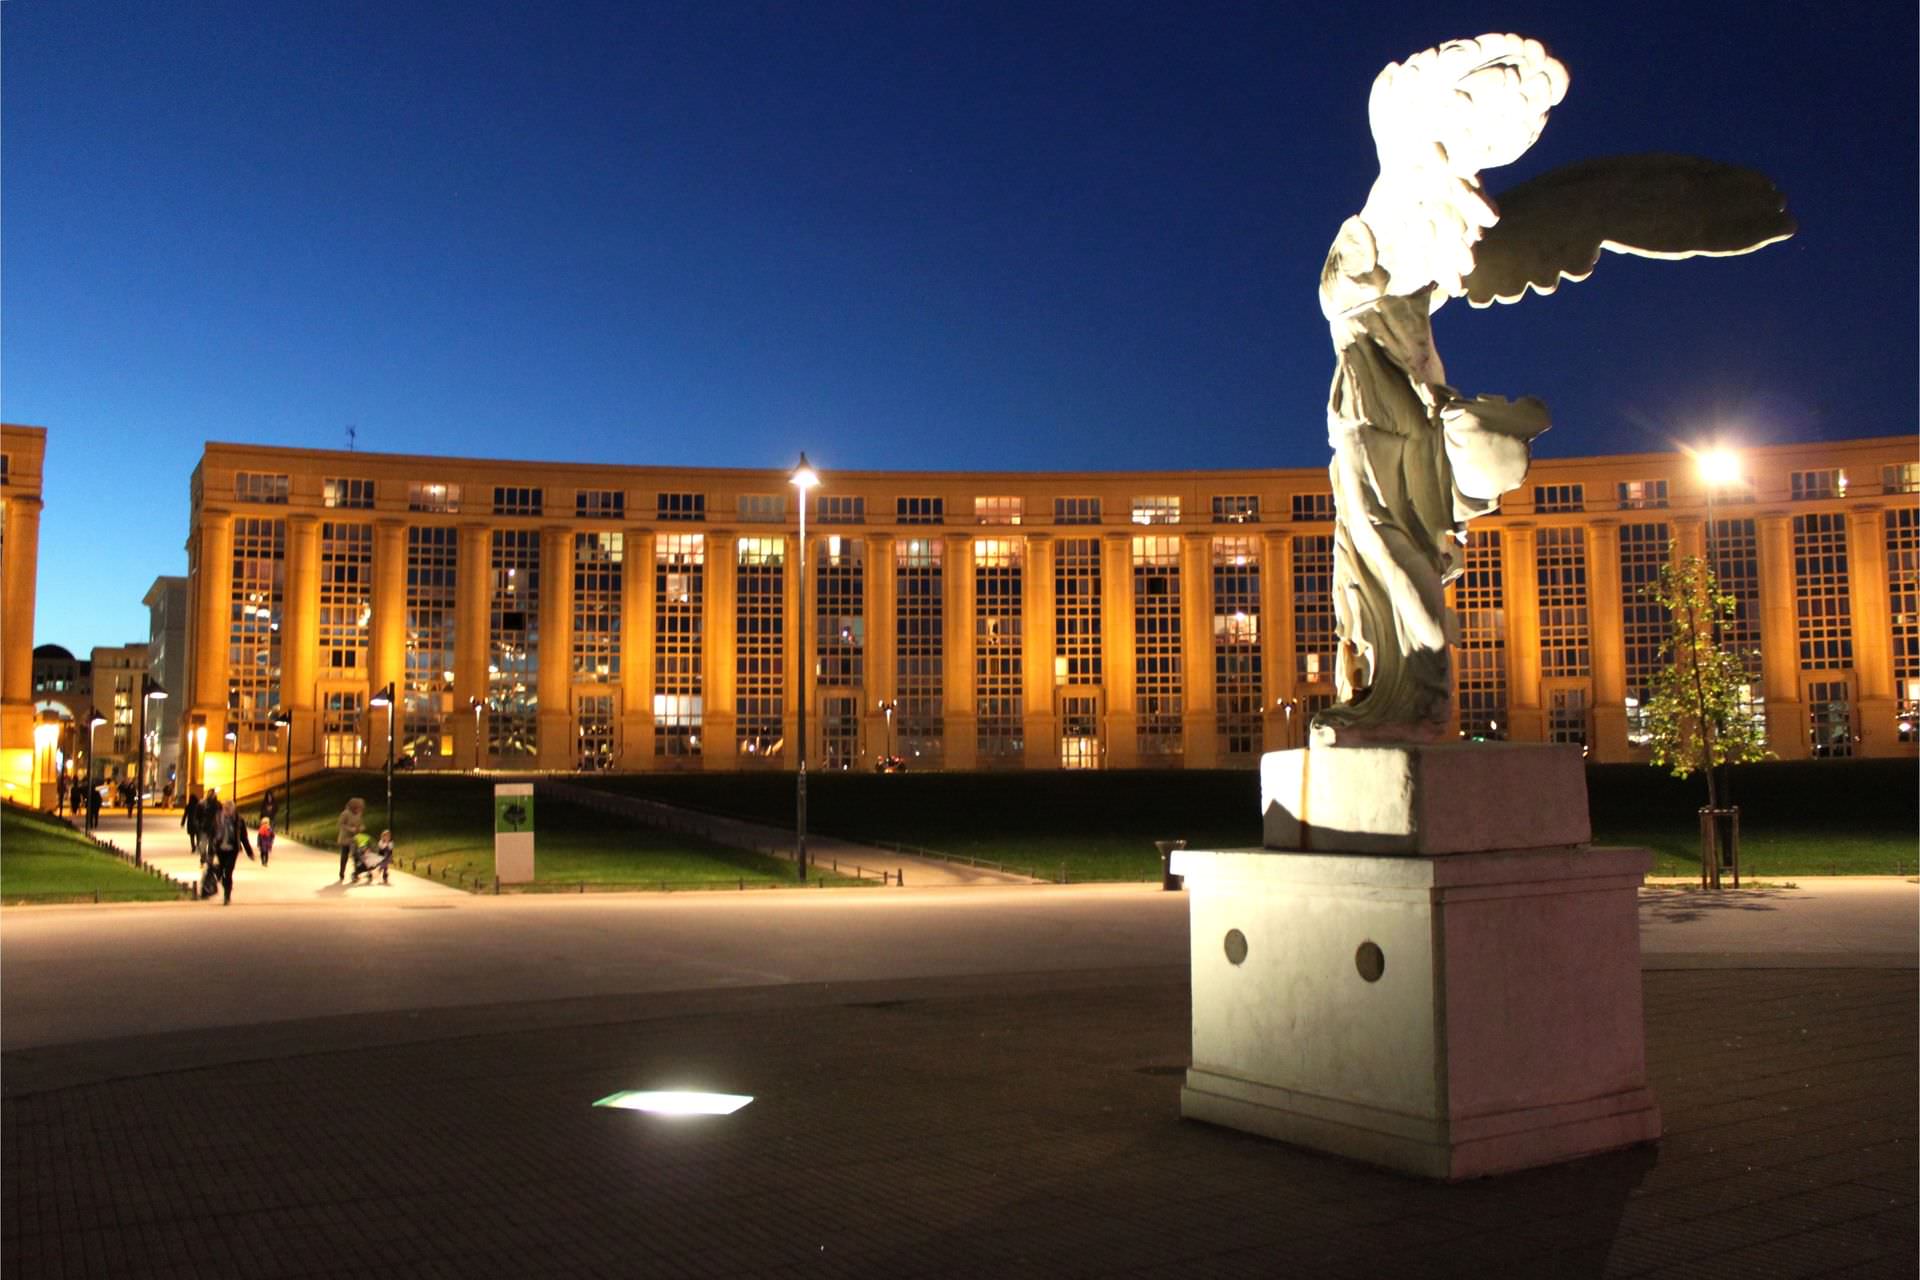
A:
1413	458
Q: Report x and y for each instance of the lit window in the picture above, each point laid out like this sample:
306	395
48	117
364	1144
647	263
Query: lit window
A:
1638	495
997	510
338	491
1900	477
1806	486
422	496
1236	508
1156	508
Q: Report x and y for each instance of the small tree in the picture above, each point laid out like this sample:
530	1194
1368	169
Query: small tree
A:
1698	714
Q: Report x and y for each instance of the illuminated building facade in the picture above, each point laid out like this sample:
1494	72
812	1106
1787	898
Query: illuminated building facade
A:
28	750
560	616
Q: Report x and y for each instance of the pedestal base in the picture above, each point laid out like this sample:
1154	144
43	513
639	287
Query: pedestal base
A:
1446	1016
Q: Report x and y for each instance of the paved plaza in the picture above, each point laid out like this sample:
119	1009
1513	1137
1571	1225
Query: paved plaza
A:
964	1081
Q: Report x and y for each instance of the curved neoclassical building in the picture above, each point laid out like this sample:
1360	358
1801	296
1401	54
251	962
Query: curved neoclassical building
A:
559	616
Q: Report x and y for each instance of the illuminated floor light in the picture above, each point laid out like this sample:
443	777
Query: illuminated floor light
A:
675	1102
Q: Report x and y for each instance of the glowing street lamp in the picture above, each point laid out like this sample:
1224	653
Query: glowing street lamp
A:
148	691
384	698
887	707
478	706
804	479
1718	466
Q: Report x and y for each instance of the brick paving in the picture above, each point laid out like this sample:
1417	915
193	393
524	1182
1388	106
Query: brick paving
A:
956	1126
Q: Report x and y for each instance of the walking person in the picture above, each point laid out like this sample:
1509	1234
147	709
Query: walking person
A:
265	839
268	811
353	820
93	808
229	838
190	819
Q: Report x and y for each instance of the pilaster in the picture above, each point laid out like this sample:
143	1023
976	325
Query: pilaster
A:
1199	728
472	598
1282	729
1607	642
16	649
962	740
878	663
1116	636
716	730
1779	638
213	587
554	679
387	640
1872	631
636	650
1040	683
300	629
1527	723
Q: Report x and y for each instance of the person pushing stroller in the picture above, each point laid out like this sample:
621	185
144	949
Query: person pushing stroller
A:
370	857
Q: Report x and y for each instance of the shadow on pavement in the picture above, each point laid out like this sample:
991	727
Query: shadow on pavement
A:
1676	904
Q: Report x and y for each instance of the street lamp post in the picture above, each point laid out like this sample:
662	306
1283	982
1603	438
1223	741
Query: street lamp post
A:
94	721
285	721
384	698
148	689
887	706
1717	466
233	749
803	479
478	706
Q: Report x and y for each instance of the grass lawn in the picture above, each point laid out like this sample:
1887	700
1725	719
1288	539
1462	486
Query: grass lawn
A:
45	860
446	821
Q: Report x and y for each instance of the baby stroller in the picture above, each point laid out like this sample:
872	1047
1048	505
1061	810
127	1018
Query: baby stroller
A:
369	857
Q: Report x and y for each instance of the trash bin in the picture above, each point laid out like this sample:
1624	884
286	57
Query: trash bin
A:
1168	880
1719	844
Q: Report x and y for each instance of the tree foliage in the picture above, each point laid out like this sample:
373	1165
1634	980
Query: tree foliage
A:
1698	714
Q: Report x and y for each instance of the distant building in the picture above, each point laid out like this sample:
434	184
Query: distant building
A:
28	751
166	602
561	616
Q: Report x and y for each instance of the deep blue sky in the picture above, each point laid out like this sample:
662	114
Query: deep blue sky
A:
1030	235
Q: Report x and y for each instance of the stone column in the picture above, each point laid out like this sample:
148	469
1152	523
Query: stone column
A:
877	664
1282	730
300	632
213	608
637	633
1872	632
1526	721
1199	728
1116	643
1039	682
717	665
1689	537
559	745
472	607
960	732
1606	637
1780	639
16	649
387	641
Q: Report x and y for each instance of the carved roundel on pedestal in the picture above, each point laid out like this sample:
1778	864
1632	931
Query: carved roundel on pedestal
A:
1370	961
1236	946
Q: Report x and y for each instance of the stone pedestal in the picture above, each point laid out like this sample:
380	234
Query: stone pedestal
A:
1449	1013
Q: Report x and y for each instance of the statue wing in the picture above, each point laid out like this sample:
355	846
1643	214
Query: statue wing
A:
1653	206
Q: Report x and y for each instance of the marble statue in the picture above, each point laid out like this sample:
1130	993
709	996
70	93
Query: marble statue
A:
1413	458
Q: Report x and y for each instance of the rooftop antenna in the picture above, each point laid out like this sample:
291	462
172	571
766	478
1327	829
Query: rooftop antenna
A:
351	432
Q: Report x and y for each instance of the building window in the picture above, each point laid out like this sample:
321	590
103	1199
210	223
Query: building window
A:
255	601
1808	486
346	491
1567	716
1157	667
514	500
840	509
1820	602
513	646
1561	573
1313	506
598	574
1830	719
840	621
680	506
679	607
1736	572
422	496
600	504
1642	495
761	508
919	650
1155	508
760	647
997	510
346	597
997	651
1480	656
1076	610
433	565
1315	640
259	486
1236	646
593	731
1559	497
1236	508
1076	511
1900	477
920	510
1903	612
343	742
1643	622
6	468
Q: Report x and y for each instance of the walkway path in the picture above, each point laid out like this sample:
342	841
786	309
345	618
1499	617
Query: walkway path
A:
295	872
